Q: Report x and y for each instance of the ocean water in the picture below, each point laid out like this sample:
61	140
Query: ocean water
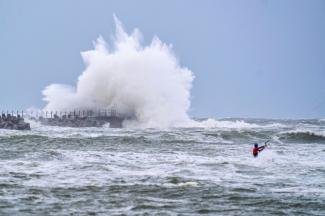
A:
204	169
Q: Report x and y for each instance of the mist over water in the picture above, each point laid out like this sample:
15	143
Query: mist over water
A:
143	82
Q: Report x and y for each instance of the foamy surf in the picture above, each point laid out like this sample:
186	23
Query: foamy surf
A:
152	170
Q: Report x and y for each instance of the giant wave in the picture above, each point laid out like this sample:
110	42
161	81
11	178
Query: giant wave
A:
145	83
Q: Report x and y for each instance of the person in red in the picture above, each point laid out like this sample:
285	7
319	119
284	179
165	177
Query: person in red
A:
257	149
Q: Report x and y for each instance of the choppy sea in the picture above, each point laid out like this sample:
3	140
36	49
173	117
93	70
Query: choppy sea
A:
204	169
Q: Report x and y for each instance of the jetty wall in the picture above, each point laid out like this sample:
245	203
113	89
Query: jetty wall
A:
13	121
79	118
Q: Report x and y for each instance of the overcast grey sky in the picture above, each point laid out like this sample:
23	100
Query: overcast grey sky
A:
251	58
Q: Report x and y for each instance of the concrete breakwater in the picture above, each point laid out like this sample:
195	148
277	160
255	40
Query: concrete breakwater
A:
80	118
9	121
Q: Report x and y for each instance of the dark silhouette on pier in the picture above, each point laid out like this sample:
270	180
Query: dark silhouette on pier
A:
80	118
12	122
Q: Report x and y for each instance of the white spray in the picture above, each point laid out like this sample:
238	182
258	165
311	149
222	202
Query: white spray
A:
145	82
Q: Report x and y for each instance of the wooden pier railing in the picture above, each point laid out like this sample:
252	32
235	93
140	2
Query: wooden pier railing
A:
63	114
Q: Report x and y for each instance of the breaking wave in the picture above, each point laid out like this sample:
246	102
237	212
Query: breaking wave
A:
303	136
201	131
231	124
145	83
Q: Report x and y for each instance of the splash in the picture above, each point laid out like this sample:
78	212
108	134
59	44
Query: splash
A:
144	82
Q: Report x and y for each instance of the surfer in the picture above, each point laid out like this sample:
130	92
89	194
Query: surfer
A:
257	149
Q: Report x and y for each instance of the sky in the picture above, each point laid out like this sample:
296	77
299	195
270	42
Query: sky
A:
250	58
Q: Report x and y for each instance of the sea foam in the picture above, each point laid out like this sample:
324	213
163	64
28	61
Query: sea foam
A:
145	83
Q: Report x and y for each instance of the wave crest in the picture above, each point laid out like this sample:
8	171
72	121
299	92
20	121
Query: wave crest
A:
303	136
143	82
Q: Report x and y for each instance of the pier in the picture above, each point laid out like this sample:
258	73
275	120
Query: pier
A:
79	118
73	118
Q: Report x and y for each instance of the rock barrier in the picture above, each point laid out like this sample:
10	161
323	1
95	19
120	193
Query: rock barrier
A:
77	121
13	122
